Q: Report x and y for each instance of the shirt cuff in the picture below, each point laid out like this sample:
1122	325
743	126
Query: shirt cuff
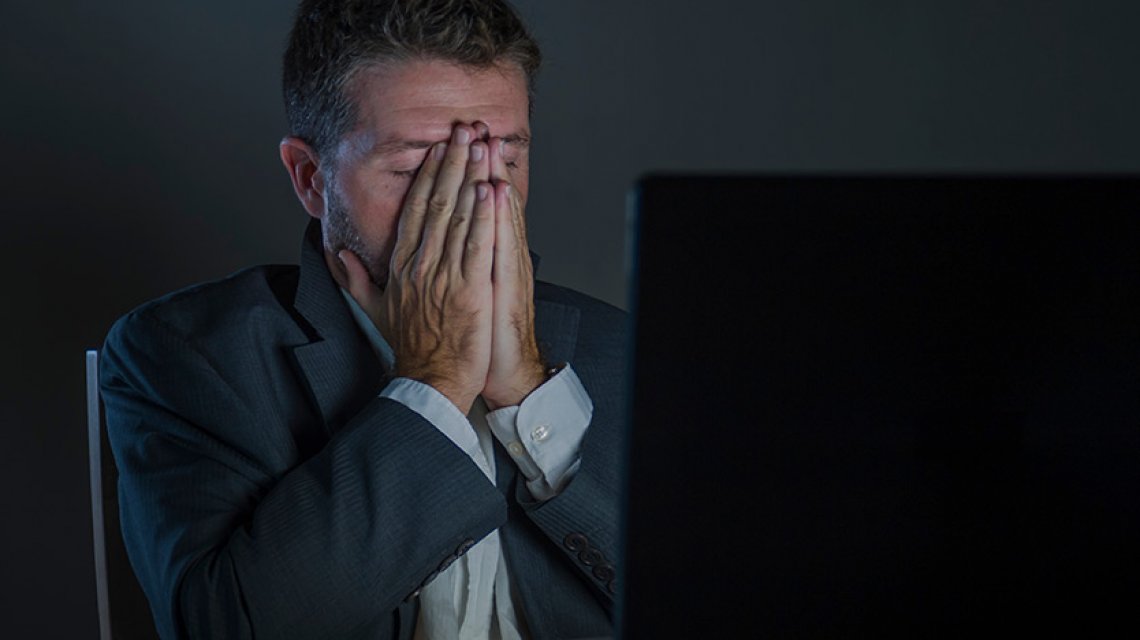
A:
442	414
543	434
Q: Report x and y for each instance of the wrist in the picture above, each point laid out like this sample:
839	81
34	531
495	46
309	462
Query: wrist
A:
458	397
462	396
534	377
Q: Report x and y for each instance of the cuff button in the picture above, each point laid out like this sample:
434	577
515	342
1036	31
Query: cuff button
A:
576	542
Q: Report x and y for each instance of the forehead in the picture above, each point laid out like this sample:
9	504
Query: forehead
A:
425	98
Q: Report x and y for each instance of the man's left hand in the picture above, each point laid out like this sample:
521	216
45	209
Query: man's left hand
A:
516	366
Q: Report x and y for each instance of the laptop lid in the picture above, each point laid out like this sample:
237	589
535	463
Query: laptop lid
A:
866	405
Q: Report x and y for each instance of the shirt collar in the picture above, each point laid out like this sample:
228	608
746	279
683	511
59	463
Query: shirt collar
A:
379	345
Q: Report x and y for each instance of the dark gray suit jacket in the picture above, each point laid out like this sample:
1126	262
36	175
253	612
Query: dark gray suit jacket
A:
268	492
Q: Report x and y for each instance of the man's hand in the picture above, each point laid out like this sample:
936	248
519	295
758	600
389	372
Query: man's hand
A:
516	367
436	308
458	306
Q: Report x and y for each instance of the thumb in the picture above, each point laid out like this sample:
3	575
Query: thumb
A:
360	284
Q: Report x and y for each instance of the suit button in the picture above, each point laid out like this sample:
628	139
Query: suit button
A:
576	542
465	547
611	586
604	572
591	557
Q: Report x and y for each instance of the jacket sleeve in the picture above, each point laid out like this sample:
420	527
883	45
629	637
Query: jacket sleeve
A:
224	547
582	521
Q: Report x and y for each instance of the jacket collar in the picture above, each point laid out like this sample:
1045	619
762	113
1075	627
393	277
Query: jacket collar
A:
337	364
318	297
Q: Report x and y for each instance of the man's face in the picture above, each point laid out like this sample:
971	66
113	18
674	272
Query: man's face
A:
403	108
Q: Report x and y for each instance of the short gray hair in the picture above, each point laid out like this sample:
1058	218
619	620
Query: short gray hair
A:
332	40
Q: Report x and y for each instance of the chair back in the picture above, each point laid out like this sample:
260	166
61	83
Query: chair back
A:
124	613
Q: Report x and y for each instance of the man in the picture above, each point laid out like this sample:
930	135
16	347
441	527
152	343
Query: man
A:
408	436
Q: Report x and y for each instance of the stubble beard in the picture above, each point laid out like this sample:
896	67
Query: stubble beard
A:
342	233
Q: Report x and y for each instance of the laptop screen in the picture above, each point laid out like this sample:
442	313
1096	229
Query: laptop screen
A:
883	404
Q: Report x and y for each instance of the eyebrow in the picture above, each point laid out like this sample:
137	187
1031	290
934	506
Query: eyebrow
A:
519	139
394	146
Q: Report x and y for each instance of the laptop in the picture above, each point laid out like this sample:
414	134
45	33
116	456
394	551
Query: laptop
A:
867	406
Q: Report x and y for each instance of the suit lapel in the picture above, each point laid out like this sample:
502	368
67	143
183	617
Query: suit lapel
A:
339	368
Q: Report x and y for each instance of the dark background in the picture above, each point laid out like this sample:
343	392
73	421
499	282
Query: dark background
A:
139	156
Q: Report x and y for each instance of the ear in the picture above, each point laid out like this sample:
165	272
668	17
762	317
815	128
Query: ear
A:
304	169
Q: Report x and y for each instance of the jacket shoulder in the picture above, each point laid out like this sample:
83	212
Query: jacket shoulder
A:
258	296
590	307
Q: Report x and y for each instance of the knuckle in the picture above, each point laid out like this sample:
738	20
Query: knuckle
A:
456	163
400	257
440	205
417	201
438	288
420	270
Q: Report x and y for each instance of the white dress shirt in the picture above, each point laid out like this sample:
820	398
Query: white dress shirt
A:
472	599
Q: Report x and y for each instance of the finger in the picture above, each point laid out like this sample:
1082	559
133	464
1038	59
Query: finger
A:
506	240
479	164
499	172
478	252
526	266
499	175
360	285
513	219
518	223
409	231
498	160
457	232
482	131
517	218
445	194
477	171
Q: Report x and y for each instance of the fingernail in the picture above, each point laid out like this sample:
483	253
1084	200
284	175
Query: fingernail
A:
507	191
481	191
440	149
476	152
340	256
501	145
462	136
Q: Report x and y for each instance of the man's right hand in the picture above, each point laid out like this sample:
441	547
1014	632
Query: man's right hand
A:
435	310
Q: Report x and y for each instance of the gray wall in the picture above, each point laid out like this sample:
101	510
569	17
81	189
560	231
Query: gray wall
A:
139	156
